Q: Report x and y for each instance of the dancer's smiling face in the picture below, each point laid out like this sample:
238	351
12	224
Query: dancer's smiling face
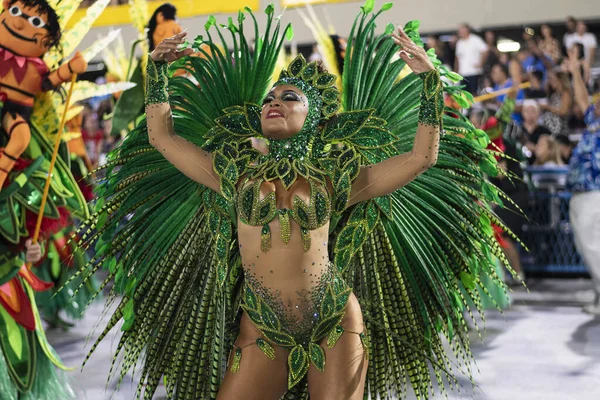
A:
24	29
284	112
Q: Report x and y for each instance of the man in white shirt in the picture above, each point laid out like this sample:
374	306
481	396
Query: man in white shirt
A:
471	52
570	24
589	43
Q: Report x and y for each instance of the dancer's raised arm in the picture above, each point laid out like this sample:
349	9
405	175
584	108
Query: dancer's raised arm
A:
389	175
190	159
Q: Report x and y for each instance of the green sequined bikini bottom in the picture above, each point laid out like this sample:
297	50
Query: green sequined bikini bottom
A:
329	299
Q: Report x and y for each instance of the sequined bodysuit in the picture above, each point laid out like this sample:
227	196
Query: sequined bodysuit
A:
292	294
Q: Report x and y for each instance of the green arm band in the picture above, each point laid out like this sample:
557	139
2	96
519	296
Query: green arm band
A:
157	82
432	99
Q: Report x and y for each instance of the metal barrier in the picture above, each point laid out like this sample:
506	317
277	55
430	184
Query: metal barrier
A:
548	233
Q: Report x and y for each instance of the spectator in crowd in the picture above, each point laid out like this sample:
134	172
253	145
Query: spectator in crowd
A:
560	100
93	137
589	43
565	147
492	56
501	80
537	89
584	182
532	59
444	52
545	170
471	52
532	130
587	39
570	26
547	152
549	45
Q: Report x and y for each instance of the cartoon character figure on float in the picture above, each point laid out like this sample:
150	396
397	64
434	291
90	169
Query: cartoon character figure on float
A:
33	42
28	29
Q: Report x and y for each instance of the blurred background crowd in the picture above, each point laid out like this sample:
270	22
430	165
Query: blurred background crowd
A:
546	125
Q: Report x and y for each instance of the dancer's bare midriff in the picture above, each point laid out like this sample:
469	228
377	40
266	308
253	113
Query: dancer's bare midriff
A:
287	275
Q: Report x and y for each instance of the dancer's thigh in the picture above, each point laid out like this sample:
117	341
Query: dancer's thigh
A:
258	378
345	364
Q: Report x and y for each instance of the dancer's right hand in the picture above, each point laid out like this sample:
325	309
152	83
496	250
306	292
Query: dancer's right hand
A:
167	49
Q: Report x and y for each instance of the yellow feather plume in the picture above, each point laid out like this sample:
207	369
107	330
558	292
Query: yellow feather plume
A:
324	42
64	9
138	10
116	60
49	106
71	38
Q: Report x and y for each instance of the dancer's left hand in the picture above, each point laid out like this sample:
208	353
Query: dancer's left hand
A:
414	56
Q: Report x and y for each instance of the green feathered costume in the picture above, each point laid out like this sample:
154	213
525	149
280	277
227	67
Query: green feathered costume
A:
170	245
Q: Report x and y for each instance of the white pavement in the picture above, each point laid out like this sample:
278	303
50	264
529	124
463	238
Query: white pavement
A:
543	348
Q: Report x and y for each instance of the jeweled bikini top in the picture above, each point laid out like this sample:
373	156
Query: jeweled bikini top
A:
254	211
289	159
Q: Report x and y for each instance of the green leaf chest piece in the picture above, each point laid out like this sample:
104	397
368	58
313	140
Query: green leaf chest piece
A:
254	211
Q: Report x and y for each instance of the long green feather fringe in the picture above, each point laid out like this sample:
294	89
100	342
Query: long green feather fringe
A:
179	324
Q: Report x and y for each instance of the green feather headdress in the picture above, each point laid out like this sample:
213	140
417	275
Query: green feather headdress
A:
319	87
323	102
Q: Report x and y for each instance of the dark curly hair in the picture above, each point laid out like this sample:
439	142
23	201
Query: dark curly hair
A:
169	12
52	25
